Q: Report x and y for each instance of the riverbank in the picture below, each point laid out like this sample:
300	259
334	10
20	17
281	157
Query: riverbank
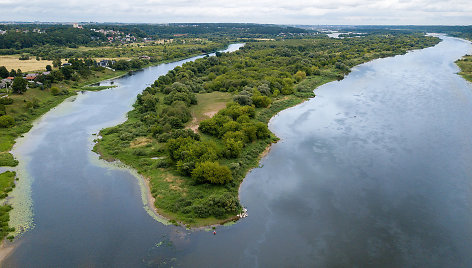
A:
465	64
6	250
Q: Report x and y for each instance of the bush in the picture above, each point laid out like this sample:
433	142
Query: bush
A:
6	121
24	57
6	101
211	172
243	99
7	159
261	101
55	91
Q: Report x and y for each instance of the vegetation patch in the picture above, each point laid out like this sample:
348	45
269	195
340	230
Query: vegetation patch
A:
7	159
7	183
466	67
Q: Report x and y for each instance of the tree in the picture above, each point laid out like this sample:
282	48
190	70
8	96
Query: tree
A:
4	72
12	73
56	62
300	75
48	68
19	85
211	172
24	57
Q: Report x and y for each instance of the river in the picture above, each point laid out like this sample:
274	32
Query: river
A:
374	171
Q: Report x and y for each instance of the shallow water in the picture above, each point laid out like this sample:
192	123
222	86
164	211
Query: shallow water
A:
374	171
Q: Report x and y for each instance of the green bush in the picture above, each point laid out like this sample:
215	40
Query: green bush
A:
55	91
6	101
261	101
6	121
211	172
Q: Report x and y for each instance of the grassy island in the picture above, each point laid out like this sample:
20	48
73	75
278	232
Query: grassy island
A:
197	131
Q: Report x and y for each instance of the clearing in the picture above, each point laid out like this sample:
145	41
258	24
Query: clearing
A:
208	105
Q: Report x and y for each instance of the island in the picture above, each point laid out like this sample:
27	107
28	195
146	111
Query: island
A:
196	132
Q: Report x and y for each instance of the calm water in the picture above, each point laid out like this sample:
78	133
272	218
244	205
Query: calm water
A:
374	171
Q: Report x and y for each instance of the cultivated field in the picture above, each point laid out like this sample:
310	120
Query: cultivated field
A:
13	62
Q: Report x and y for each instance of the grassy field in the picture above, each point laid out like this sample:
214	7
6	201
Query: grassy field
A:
13	62
208	105
466	67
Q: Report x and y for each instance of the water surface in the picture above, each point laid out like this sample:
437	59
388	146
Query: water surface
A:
374	171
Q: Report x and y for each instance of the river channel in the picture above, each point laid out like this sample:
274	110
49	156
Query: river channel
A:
375	171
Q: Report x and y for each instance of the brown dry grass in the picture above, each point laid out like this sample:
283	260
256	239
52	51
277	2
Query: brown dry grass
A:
139	142
13	62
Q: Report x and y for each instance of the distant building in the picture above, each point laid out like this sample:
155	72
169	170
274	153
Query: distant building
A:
31	77
103	63
145	57
66	64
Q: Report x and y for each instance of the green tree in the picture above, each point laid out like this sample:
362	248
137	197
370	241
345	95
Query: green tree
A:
48	68
299	76
56	62
4	72
211	172
19	85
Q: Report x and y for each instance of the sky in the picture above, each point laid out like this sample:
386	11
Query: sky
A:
314	12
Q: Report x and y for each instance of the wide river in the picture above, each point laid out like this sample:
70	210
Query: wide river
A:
375	171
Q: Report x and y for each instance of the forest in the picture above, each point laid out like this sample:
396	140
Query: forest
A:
51	41
196	163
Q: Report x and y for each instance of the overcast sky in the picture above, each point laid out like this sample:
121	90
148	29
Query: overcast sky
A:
449	12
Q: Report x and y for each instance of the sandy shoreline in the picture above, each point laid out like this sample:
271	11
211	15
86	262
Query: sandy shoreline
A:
6	249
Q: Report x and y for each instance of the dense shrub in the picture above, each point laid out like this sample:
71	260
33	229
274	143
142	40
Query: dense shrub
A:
211	172
6	121
6	101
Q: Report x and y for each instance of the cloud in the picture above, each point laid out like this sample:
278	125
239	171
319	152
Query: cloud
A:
259	11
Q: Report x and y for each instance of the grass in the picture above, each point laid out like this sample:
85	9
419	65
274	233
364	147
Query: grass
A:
466	67
13	62
7	183
208	105
7	159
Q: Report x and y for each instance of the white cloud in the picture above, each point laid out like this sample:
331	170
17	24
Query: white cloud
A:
259	11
